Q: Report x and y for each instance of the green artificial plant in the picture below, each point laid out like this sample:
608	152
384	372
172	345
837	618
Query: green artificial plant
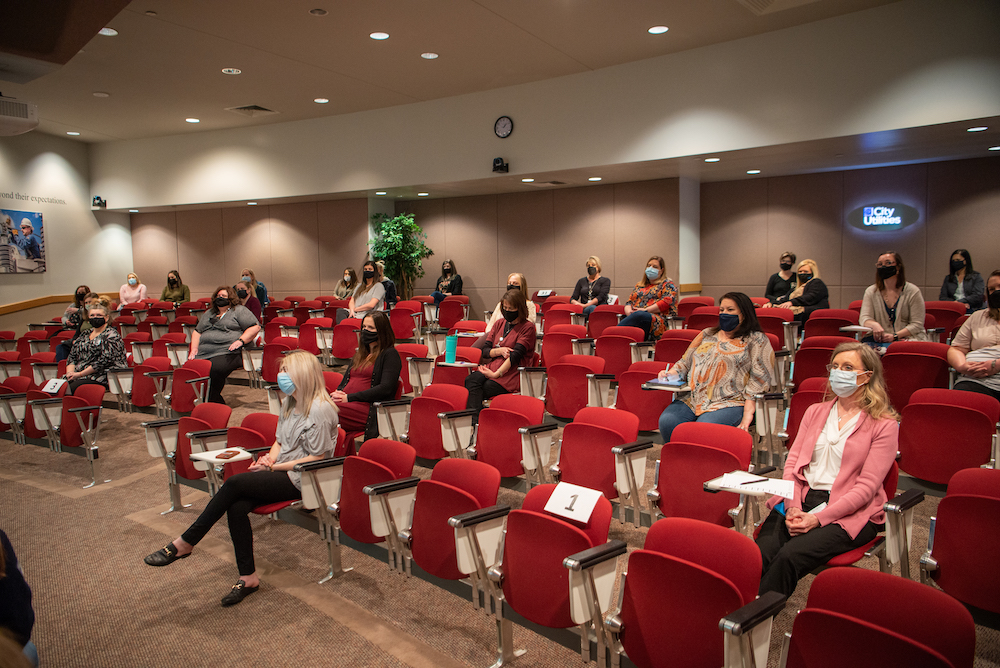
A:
399	243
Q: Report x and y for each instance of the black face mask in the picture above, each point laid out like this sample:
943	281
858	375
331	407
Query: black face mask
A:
368	273
80	296
785	266
592	271
509	316
368	338
97	322
887	272
994	299
805	277
513	287
242	294
172	281
221	302
446	270
956	265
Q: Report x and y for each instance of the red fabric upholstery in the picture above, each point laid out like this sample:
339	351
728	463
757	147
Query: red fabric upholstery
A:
406	351
455	375
644	404
560	314
468	326
889	485
828	321
604	316
813	356
147	324
273	354
772	321
424	432
401	319
451	310
566	391
345	338
684	467
160	345
204	416
332	380
143	387
550	301
307	333
182	393
272	330
379	460
558	344
906	372
596	528
687	305
702	317
498	442
586	458
673	344
945	315
614	347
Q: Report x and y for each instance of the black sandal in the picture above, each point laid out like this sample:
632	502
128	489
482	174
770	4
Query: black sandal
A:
165	556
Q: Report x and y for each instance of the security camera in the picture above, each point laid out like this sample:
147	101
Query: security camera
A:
500	166
99	203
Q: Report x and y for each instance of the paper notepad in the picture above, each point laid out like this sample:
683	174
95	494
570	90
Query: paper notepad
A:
757	484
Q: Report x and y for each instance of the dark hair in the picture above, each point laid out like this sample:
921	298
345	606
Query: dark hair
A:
454	269
76	295
232	298
386	339
994	313
900	271
362	282
968	262
354	278
749	324
180	281
515	298
787	254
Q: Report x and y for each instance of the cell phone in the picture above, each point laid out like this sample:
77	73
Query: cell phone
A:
228	454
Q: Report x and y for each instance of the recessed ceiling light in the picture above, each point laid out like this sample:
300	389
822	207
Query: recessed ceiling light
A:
318	12
527	180
133	210
380	192
430	55
101	93
107	32
231	70
712	159
321	100
193	120
251	203
753	171
73	134
594	178
993	148
379	35
150	12
978	128
422	194
658	30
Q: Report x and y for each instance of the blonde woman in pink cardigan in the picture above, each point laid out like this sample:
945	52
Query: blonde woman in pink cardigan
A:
840	457
132	291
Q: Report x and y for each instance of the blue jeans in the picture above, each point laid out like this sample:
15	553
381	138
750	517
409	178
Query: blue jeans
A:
643	319
678	413
438	297
587	310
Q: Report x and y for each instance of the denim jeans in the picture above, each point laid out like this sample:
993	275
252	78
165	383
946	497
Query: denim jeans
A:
678	413
643	319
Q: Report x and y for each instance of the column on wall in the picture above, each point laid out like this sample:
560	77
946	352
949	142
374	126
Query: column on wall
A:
689	241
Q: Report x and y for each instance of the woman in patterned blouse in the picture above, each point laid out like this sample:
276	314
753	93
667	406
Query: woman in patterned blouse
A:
96	351
725	367
652	300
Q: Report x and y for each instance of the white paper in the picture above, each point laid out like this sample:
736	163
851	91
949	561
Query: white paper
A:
734	480
572	501
53	385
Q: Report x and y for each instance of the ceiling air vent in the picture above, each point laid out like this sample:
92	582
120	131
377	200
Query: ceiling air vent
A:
546	184
252	110
761	7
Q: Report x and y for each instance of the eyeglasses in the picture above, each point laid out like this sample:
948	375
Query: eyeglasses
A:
885	264
846	367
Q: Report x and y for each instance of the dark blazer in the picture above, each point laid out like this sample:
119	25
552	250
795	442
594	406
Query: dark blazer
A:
814	297
777	287
385	379
973	285
602	286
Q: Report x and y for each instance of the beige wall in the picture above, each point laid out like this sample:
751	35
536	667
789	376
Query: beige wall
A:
746	225
548	235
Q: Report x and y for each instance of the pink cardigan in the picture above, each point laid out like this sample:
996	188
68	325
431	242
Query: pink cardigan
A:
857	496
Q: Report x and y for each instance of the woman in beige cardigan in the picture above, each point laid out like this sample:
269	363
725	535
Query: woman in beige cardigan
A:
893	308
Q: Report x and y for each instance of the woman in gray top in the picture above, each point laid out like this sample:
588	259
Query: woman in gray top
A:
370	293
222	330
892	307
307	431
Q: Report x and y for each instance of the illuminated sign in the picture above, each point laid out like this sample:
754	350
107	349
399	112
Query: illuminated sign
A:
888	216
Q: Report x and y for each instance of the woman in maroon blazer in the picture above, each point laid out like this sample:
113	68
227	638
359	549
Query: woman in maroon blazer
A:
509	344
842	453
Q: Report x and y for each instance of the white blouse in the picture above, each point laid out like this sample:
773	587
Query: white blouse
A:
825	463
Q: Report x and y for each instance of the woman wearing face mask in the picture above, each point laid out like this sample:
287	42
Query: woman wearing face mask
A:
725	367
781	283
132	291
259	289
371	376
96	351
175	290
77	320
370	293
244	298
809	293
963	283
840	457
591	290
450	282
506	346
893	308
515	281
221	332
345	287
72	317
652	300
975	351
307	431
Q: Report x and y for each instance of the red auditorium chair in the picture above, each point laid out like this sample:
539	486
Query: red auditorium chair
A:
59	337
156	326
644	404
498	437
277	326
945	315
345	338
828	321
405	321
451	310
456	375
562	314
416	421
857	617
673	344
813	356
780	322
8	342
273	354
190	385
173	346
310	336
305	309
702	317
559	341
687	305
331	308
759	301
72	422
406	352
912	365
604	316
566	384
332	380
856	306
31	342
615	347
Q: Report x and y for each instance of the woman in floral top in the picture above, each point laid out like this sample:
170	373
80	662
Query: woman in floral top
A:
95	351
725	367
652	300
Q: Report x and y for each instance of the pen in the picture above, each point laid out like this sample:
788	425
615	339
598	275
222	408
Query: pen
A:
752	482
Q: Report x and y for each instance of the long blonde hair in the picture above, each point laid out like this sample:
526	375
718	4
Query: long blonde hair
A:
307	374
875	399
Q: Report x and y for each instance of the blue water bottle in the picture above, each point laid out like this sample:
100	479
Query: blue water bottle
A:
450	346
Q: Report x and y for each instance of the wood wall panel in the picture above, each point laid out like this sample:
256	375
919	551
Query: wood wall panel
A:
343	239
647	222
247	238
471	243
429	215
154	249
199	242
804	218
526	239
583	219
294	252
734	237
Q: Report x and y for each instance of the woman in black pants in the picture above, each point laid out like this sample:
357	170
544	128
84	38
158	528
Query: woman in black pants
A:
307	431
221	332
95	351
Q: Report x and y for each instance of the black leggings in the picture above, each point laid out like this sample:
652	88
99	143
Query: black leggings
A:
480	387
73	384
979	388
222	366
237	498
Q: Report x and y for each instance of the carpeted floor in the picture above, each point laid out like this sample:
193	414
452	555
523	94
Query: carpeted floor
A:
98	604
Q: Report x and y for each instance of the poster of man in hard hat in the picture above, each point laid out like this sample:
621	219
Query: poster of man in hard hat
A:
22	242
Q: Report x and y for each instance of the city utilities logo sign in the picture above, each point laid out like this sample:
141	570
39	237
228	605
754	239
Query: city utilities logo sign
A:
889	216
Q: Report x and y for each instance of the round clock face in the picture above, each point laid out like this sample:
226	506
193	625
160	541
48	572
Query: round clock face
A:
503	127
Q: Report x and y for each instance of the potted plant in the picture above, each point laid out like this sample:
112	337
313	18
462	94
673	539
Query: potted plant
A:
399	243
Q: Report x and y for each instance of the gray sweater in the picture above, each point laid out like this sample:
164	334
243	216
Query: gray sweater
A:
909	311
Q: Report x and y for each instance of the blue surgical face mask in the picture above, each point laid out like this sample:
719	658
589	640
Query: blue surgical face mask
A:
132	281
652	273
245	279
728	321
285	383
843	383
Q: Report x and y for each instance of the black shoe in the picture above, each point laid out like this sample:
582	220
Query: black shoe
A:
165	557
239	592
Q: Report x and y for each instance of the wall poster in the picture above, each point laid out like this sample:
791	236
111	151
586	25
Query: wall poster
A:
22	242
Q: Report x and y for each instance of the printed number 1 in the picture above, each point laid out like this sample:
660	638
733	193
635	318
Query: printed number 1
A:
572	502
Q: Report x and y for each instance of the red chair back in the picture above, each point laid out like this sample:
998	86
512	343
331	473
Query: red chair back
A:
498	442
673	344
604	316
566	392
828	321
455	375
550	301
451	310
307	333
406	351
772	321
644	404
687	305
378	460
905	373
204	416
586	459
813	356
560	314
615	347
59	337
702	317
160	345
811	391
558	342
856	305
22	342
274	352
345	338
424	432
272	329
945	315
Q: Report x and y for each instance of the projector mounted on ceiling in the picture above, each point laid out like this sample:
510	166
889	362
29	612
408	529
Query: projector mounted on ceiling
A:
16	117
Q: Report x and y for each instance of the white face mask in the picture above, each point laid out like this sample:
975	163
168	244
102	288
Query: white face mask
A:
844	383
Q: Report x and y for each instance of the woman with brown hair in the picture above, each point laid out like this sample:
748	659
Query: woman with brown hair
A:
223	329
652	300
450	282
893	308
175	290
371	376
369	295
515	281
838	462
